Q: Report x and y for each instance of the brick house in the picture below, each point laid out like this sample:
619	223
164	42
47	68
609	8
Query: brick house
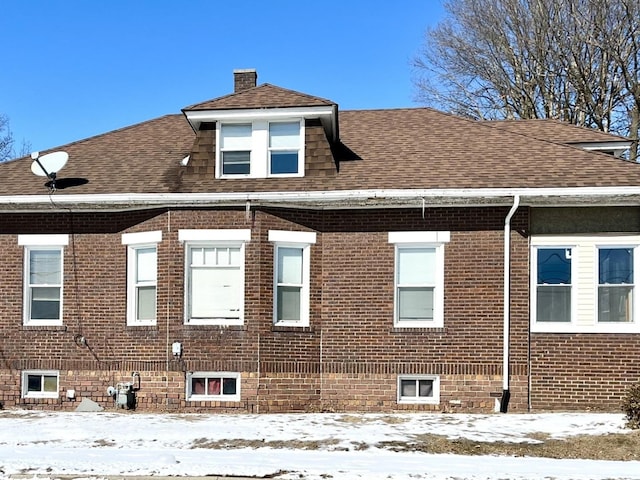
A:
266	252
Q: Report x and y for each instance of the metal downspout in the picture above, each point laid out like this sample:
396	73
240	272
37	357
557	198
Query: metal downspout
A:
506	395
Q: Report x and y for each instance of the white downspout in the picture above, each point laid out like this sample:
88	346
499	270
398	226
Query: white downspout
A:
504	403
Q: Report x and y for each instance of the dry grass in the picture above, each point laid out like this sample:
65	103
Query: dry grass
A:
605	447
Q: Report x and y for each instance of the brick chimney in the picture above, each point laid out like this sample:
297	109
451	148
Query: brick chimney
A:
244	79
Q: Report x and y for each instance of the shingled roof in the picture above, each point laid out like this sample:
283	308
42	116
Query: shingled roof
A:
379	150
262	96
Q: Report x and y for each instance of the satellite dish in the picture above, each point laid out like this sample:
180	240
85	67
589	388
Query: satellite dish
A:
49	164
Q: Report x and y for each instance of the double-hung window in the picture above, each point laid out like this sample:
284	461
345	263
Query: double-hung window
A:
220	386
615	284
553	284
235	148
43	278
142	276
419	278
214	276
291	276
40	383
260	148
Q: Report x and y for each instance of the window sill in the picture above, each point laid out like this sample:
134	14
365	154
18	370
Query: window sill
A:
45	327
425	329
215	326
292	328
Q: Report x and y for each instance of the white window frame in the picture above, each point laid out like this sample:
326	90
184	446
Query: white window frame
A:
41	242
260	150
421	239
552	326
584	279
302	241
41	394
635	307
191	397
134	243
417	399
213	238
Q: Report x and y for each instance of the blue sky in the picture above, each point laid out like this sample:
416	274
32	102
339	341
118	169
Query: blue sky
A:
73	69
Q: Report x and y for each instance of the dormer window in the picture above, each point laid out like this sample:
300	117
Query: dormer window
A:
260	149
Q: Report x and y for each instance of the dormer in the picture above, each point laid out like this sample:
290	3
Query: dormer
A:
261	131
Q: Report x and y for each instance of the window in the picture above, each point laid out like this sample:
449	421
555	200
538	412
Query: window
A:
284	148
615	284
291	276
214	276
419	278
553	292
142	258
40	384
43	275
260	149
584	283
235	148
221	386
419	389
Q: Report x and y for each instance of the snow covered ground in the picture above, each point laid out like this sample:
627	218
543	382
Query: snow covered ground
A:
305	446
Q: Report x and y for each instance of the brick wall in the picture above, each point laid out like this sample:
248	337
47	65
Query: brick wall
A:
349	357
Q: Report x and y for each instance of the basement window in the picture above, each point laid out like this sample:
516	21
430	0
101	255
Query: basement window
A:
221	386
419	389
40	383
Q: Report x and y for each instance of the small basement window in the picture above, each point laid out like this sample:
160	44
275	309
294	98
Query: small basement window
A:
203	386
419	389
40	383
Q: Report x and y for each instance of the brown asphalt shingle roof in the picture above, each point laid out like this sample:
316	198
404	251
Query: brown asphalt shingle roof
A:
392	149
262	96
555	131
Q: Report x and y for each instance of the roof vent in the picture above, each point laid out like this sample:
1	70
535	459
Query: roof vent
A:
244	79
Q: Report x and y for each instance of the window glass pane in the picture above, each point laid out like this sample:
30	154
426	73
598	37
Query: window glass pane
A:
222	257
288	303
553	303
44	267
425	388
615	265
45	303
50	383
234	256
415	303
554	266
213	386
290	265
197	256
34	383
614	304
229	386
408	388
284	135
416	266
146	303
197	386
147	264
236	136
236	163
284	162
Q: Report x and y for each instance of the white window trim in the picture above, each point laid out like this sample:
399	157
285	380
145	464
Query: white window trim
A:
585	245
552	326
24	387
217	398
434	400
26	303
135	241
303	240
259	159
213	238
429	239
